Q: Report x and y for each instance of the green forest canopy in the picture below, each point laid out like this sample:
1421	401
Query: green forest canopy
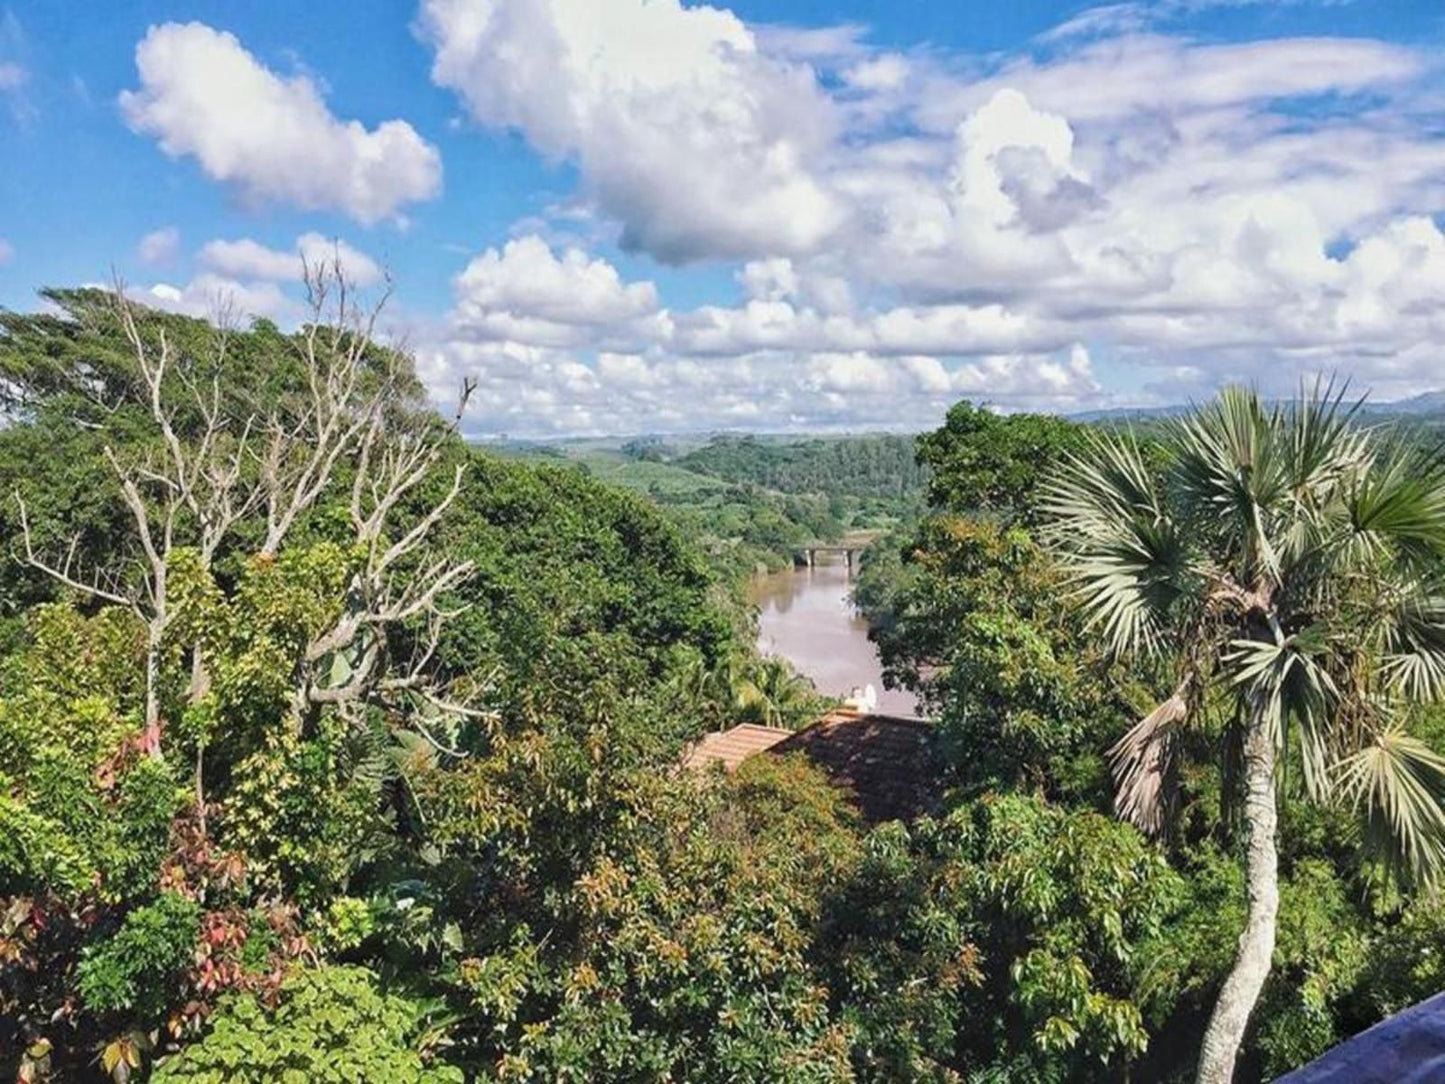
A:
455	844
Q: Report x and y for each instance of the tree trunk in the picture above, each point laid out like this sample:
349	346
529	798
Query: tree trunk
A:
200	677
1256	944
200	687
151	739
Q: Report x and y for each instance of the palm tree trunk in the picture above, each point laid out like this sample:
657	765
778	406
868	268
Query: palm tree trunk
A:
1256	944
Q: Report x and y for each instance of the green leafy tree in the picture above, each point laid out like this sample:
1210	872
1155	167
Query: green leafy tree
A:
1287	566
1009	940
678	947
982	629
331	1024
981	461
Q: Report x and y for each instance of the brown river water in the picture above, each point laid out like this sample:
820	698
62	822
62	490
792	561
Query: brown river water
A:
806	616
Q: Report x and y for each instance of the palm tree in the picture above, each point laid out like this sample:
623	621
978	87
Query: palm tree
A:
772	693
1287	567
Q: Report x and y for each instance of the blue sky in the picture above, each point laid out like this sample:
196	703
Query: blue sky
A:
641	215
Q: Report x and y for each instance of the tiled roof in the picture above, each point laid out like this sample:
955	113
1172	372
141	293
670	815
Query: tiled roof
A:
733	746
886	762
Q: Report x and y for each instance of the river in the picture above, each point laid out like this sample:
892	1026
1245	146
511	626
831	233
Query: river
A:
806	616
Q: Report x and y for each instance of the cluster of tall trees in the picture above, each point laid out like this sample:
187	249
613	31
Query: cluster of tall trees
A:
310	713
1231	632
336	750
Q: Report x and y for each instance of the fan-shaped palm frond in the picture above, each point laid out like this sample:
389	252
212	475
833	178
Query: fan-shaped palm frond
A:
1123	554
1322	454
1414	661
1398	782
1229	469
1397	508
1321	445
1288	681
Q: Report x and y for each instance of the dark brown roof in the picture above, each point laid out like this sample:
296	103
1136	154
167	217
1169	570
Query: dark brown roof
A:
733	746
887	762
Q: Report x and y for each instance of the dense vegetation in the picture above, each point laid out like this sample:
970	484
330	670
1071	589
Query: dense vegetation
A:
337	750
878	465
1166	616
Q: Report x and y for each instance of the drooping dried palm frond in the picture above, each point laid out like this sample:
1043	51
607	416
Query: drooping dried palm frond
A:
1142	762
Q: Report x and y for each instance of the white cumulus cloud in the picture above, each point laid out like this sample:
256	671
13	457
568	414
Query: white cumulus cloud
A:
248	259
694	140
271	137
159	246
526	293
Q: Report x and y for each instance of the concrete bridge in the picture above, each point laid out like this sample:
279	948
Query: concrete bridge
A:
808	555
852	544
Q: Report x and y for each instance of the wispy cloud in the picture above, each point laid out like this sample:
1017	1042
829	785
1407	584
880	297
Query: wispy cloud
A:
1132	16
14	73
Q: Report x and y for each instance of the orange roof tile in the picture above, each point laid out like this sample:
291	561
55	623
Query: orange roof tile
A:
733	746
886	762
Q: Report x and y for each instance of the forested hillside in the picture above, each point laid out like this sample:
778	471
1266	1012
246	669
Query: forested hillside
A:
337	750
877	465
752	502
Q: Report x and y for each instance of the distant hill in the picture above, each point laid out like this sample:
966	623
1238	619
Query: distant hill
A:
1126	414
1428	407
1430	402
757	457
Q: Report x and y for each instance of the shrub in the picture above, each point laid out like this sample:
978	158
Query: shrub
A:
134	970
332	1026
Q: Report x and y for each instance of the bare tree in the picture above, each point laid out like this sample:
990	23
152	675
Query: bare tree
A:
337	349
224	467
352	417
189	493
